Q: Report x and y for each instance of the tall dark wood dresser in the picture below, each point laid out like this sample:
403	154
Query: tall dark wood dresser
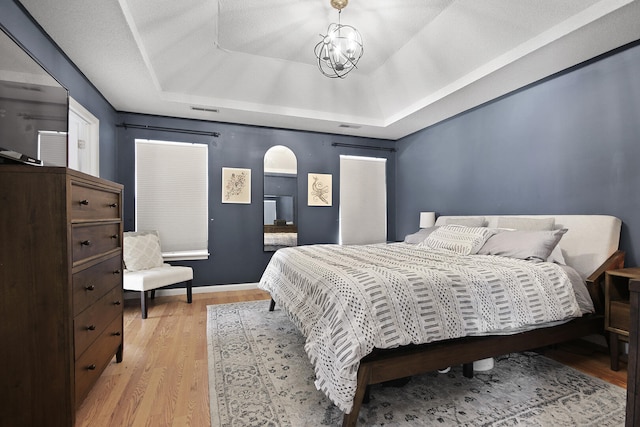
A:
60	290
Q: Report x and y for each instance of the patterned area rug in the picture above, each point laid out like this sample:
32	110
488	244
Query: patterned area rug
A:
259	375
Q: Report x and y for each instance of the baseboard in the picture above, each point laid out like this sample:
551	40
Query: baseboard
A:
198	290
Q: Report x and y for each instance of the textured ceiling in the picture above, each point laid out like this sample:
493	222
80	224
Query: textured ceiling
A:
252	60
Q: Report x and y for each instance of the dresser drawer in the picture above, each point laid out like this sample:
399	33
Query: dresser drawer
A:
92	283
95	239
92	322
88	203
93	361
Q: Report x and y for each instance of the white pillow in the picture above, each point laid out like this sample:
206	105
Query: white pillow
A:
141	250
469	221
419	235
458	238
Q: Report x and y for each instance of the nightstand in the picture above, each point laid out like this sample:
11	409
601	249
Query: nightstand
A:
616	311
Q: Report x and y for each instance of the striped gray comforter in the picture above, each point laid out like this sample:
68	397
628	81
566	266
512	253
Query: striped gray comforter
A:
348	300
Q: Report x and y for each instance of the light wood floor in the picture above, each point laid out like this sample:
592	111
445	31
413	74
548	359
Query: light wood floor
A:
163	381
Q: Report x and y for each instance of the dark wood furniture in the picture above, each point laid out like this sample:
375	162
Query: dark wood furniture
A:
633	368
386	365
280	228
617	312
60	290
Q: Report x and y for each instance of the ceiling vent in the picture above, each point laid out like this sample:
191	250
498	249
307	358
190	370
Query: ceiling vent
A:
207	110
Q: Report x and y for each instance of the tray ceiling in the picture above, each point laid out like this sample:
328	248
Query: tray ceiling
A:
252	60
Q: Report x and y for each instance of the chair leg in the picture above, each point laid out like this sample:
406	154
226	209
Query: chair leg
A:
189	291
143	303
153	293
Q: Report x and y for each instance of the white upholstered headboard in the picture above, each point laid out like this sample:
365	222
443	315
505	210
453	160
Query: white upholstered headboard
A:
591	239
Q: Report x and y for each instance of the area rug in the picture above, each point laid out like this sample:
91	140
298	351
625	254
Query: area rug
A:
259	375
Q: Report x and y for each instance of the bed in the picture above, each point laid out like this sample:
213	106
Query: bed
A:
375	313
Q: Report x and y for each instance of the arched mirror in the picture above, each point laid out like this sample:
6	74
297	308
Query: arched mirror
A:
280	190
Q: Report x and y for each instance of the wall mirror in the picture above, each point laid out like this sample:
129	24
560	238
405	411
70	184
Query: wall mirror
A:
280	227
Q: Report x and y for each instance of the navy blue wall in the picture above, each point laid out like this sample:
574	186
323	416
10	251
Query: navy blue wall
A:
569	145
20	25
236	231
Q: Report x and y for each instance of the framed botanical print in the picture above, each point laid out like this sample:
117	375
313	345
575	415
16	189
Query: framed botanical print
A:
236	185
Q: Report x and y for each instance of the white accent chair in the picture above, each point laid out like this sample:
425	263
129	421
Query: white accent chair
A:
145	270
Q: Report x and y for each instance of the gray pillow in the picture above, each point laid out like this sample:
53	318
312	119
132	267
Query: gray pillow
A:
523	244
530	224
468	221
419	235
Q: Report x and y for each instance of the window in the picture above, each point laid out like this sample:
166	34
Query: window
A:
53	147
363	200
172	196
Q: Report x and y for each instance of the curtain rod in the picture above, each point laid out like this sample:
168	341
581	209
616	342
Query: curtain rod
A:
165	129
342	144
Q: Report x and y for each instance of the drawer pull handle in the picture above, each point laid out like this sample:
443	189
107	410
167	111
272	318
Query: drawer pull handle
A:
113	205
91	328
116	271
116	334
84	202
85	243
91	367
116	303
90	288
115	236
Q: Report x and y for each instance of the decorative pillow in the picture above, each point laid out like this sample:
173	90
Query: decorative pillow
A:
141	250
529	224
419	235
459	238
469	221
521	244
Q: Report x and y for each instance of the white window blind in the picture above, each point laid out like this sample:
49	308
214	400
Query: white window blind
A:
172	196
363	200
53	148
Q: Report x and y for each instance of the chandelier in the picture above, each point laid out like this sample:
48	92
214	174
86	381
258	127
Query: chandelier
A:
341	48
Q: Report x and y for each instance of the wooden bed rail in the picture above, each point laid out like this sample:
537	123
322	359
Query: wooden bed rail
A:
595	282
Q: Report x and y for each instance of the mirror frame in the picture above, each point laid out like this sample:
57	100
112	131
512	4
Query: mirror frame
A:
280	180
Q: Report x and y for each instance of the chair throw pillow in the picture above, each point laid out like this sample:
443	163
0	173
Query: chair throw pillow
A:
141	250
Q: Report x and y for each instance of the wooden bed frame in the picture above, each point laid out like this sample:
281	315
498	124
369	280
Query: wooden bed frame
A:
383	365
390	364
